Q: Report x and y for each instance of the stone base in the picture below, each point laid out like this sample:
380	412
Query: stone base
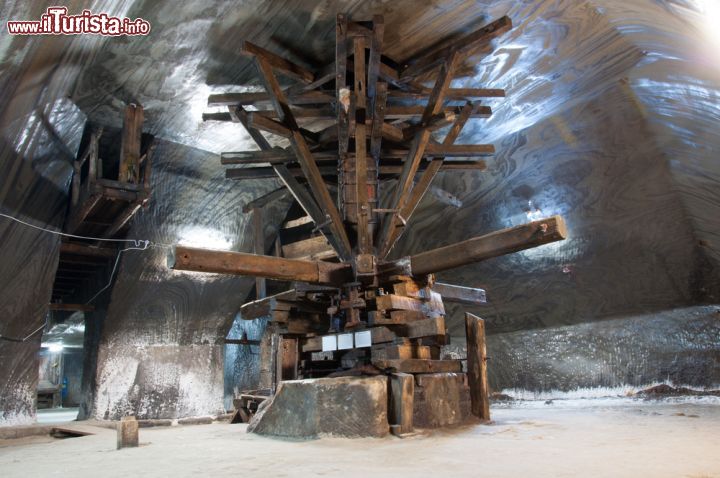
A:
441	399
344	406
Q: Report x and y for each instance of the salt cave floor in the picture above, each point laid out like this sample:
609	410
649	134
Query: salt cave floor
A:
599	437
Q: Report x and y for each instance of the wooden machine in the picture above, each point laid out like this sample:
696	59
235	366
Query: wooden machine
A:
354	310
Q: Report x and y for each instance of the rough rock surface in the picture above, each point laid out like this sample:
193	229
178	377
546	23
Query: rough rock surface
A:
344	407
441	399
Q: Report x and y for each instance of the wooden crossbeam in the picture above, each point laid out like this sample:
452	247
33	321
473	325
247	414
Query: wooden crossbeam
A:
420	142
270	267
282	156
300	194
279	63
397	226
460	294
331	170
435	55
326	114
506	241
316	97
305	158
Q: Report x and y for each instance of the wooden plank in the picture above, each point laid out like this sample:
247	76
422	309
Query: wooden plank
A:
314	248
426	328
424	62
420	142
506	241
265	199
266	124
364	236
392	112
279	63
297	222
262	98
402	396
239	263
84	250
287	358
457	150
477	366
331	171
397	302
71	307
420	365
305	158
342	98
397	226
129	170
459	294
259	248
298	191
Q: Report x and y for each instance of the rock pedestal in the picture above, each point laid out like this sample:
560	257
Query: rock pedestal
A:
345	407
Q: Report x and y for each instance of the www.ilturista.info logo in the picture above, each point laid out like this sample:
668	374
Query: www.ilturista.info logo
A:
56	21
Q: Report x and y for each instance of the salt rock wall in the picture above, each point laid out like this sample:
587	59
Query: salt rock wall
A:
243	363
161	352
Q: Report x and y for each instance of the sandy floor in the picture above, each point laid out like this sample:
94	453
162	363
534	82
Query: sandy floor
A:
566	438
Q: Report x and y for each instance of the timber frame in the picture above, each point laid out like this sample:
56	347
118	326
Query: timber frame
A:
386	117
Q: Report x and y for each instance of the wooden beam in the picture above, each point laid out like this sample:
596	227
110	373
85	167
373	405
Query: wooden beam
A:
239	263
376	46
313	97
83	250
477	366
386	169
424	62
265	199
397	226
305	158
279	63
378	121
122	219
325	114
364	236
266	124
453	94
506	241
298	191
129	171
259	248
71	307
342	93
460	294
420	365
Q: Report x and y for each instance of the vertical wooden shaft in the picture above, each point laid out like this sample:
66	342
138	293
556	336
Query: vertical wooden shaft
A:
364	236
259	248
477	366
130	145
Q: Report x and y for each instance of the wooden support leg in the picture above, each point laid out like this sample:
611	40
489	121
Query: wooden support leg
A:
477	366
400	411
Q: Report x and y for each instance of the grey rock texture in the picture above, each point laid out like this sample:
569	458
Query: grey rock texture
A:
344	407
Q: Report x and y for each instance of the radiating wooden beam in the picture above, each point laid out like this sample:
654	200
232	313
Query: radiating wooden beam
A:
498	243
279	63
434	56
331	170
326	114
397	227
240	263
460	294
420	142
305	158
315	97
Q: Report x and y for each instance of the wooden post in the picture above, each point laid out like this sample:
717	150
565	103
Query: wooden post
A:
477	366
400	411
259	248
127	432
130	145
287	358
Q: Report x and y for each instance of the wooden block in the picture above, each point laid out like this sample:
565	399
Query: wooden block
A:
477	366
409	289
402	393
397	302
392	352
127	433
312	344
420	365
382	335
426	328
421	352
